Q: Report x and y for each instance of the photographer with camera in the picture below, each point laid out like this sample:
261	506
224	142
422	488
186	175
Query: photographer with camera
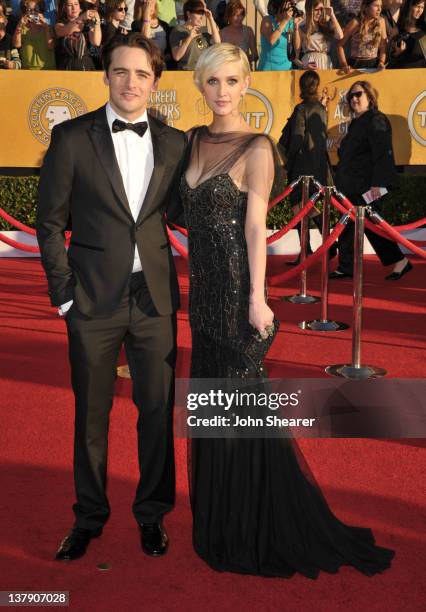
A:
9	56
189	40
34	37
154	28
115	13
316	35
366	35
408	47
280	39
75	31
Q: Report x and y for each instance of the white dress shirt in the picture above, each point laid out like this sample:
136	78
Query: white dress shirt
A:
135	158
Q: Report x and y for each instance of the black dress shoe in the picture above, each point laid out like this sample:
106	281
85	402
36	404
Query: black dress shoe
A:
397	275
75	544
154	539
339	274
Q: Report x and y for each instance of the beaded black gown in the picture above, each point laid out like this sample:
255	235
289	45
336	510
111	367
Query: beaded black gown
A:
256	506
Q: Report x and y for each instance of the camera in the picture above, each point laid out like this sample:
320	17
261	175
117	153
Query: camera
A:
33	16
290	6
400	38
89	23
296	12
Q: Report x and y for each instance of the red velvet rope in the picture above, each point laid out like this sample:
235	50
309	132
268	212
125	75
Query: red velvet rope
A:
347	206
19	245
182	230
390	230
398	228
284	194
410	226
284	276
178	246
396	236
291	224
16	223
387	231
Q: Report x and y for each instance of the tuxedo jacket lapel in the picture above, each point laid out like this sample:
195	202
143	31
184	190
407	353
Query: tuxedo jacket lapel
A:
158	148
101	138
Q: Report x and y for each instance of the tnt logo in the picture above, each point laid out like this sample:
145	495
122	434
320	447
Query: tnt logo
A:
258	111
417	119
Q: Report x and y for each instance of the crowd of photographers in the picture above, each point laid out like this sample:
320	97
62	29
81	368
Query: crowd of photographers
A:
311	34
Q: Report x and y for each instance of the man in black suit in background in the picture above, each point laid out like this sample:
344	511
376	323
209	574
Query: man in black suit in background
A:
111	171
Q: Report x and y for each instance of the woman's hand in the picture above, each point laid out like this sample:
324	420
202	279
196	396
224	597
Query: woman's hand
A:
260	315
194	32
297	21
398	49
75	28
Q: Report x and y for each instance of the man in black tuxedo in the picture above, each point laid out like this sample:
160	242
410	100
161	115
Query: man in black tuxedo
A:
111	172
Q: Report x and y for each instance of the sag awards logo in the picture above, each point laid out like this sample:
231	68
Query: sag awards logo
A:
417	119
340	114
51	107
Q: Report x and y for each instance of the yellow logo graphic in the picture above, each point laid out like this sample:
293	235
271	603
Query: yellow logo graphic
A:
51	107
257	111
417	119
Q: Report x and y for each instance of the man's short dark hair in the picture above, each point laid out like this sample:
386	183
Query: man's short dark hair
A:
134	41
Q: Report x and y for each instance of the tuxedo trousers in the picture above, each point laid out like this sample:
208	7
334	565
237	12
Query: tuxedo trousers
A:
150	344
387	250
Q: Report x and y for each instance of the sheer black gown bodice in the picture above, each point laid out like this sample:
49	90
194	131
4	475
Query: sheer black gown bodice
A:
256	507
220	282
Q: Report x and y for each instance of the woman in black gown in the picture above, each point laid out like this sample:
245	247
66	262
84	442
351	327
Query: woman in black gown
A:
255	511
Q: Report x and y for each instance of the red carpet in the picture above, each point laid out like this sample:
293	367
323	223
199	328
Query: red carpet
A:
367	482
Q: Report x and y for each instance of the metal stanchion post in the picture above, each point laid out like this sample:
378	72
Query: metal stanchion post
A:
356	370
323	324
303	297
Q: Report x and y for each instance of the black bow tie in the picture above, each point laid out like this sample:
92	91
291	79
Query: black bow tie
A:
140	128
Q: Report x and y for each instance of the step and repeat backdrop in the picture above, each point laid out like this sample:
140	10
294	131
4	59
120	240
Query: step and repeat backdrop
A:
32	103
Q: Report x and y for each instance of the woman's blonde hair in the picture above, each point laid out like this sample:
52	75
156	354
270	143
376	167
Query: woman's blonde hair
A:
214	57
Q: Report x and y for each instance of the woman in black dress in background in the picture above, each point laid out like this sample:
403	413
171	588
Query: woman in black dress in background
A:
254	510
304	143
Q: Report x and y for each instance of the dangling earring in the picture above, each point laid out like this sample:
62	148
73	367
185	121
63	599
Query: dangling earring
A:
242	102
201	107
